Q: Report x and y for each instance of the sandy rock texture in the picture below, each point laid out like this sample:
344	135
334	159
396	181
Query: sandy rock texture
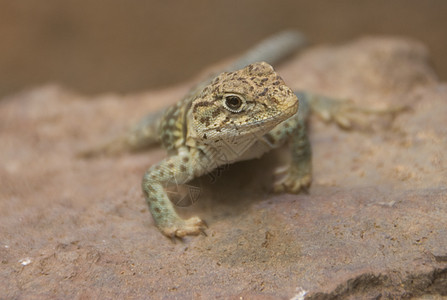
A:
374	224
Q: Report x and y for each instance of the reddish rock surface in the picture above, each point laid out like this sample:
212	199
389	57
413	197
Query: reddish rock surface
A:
373	225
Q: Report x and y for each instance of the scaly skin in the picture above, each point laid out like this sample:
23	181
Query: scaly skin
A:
240	115
227	121
235	116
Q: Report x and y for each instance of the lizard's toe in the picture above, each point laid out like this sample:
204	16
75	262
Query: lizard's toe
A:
192	226
182	228
293	183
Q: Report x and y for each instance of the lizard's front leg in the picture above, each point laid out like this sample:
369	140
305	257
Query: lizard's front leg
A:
174	170
297	175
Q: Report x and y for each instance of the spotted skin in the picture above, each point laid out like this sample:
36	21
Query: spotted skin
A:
227	121
235	116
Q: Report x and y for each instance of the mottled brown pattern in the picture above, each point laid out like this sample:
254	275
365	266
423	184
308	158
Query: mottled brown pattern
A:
236	116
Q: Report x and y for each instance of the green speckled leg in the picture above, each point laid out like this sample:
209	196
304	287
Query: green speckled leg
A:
171	171
297	176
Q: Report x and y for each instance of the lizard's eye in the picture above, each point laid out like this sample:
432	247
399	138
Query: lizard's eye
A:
233	103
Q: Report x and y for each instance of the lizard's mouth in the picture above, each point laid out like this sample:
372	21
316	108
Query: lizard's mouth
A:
276	119
264	124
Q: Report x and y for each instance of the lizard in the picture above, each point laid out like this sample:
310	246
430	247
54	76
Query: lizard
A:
240	114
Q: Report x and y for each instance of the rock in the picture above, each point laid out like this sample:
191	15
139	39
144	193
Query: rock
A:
373	225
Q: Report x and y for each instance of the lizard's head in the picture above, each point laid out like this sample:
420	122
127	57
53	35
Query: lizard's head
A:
252	100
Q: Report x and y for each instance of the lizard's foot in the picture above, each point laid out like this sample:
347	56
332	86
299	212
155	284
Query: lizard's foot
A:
343	113
182	228
293	181
348	115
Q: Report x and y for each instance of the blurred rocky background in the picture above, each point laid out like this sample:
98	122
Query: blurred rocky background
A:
373	225
101	46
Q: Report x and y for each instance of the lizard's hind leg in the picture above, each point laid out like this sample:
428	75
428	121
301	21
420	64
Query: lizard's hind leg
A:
297	176
345	113
142	135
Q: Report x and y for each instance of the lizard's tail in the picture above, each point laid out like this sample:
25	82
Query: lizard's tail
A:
271	50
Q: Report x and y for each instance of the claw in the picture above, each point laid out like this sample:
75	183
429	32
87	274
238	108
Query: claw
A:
203	232
173	238
182	228
204	224
293	182
281	170
281	181
325	115
342	121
